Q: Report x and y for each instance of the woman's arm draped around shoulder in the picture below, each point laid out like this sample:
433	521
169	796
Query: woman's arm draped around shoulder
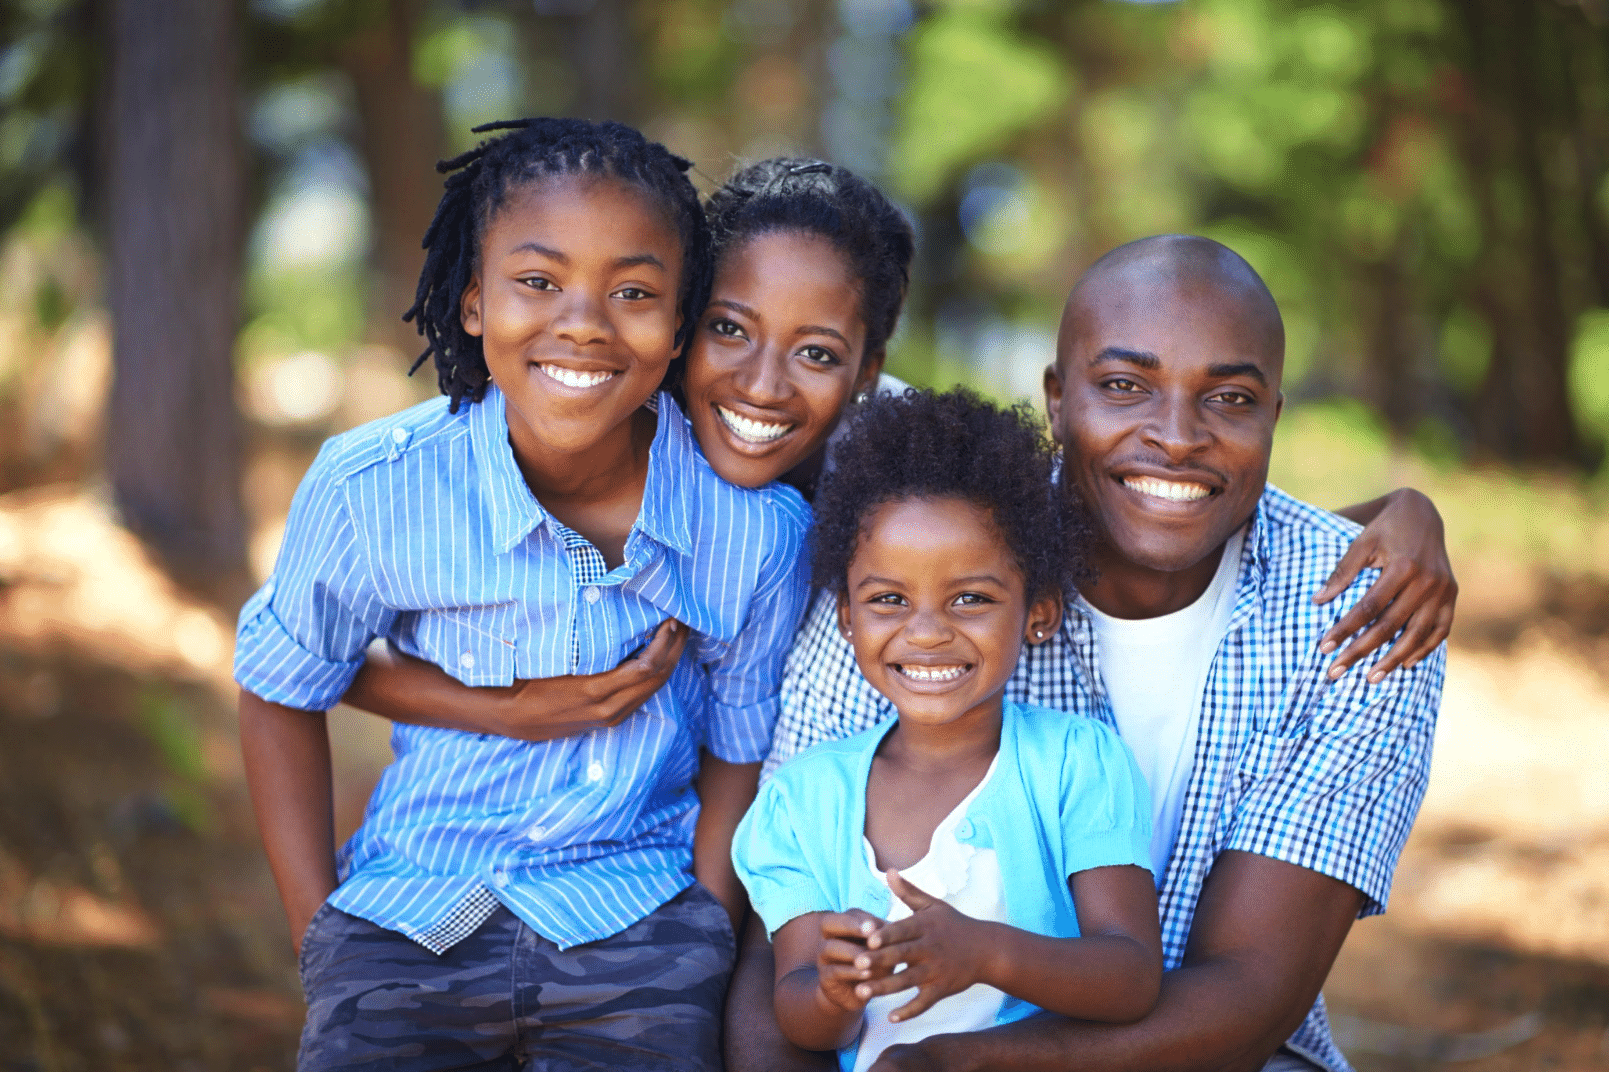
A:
1403	537
404	689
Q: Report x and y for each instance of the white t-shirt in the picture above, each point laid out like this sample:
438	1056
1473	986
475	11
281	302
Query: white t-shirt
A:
1155	670
968	879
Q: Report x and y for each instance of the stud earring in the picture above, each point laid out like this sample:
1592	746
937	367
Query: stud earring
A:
1039	634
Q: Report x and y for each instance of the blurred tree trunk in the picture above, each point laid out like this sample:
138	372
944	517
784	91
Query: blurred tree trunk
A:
175	201
402	139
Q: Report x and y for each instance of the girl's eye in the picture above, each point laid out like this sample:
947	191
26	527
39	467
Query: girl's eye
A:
888	599
722	326
540	282
819	355
972	599
632	293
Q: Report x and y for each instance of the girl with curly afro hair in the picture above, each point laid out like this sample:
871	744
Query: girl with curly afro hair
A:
993	857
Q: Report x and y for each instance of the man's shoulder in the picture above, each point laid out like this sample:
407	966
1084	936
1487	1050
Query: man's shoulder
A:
424	427
1301	544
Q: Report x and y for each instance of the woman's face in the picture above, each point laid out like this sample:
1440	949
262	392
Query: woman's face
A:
778	353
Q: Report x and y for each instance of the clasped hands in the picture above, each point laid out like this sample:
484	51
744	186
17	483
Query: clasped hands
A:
937	950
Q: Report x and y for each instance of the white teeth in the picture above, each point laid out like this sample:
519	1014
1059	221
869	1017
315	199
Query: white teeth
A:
751	430
572	378
932	673
1167	489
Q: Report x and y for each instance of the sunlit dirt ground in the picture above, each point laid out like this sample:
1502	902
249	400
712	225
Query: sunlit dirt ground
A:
139	927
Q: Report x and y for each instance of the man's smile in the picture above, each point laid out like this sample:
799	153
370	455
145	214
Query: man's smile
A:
1171	490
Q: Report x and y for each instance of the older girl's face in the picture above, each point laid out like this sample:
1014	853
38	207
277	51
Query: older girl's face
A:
777	355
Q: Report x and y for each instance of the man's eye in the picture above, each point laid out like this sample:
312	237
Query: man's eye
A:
722	326
819	355
1235	398
1126	386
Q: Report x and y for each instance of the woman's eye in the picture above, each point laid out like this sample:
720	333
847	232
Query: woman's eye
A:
819	355
633	293
722	326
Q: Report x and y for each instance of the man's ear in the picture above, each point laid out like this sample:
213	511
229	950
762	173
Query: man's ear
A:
1044	618
843	616
871	367
469	307
1053	396
1279	405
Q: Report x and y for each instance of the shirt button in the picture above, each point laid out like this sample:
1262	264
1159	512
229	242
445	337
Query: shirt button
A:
467	660
964	830
595	772
591	593
499	879
535	833
399	435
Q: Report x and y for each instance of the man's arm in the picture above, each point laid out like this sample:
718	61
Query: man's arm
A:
287	759
1264	937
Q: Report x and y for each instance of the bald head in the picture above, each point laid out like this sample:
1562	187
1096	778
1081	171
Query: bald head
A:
1173	276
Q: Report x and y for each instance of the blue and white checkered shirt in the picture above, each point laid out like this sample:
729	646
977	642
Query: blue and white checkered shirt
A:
1324	775
420	528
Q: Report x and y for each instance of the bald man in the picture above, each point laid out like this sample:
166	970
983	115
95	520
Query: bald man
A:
1281	797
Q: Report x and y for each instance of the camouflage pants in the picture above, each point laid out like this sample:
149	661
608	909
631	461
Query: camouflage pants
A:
647	998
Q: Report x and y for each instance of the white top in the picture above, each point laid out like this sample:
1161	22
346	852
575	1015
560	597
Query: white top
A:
1155	670
967	878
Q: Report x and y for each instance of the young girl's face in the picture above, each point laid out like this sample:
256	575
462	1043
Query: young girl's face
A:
936	610
576	304
778	353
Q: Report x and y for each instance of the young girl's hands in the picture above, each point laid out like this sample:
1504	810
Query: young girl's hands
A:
1414	594
843	943
942	952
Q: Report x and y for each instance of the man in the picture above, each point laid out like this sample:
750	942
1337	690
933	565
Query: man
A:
1281	797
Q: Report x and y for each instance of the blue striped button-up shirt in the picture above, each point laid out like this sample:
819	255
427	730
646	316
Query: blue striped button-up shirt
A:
420	528
1288	764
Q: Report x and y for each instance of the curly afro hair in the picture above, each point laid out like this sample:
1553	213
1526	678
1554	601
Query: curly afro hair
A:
922	445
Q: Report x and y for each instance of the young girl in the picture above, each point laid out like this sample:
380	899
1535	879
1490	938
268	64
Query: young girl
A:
515	902
991	856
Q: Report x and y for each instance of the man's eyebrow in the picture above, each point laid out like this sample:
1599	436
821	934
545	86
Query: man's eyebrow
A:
1244	368
1142	358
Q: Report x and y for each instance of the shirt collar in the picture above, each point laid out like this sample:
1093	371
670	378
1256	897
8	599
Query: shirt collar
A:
516	513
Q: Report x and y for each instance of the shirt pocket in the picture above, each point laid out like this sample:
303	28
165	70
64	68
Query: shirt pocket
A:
473	644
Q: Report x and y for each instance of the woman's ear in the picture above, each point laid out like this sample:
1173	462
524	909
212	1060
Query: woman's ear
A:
843	617
1044	618
871	367
469	307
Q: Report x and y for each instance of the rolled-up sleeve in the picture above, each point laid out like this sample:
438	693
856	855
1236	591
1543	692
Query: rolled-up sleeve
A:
301	637
745	678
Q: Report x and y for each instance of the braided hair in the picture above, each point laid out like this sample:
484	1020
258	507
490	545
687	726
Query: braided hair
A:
477	184
814	197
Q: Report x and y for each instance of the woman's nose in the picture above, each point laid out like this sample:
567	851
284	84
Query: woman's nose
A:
764	378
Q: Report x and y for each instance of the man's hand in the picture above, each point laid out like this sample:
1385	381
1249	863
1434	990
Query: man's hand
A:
843	946
1415	593
942	949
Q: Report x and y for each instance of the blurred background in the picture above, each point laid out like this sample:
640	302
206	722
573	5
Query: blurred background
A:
210	217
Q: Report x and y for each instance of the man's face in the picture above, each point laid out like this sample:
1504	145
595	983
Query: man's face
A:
1164	396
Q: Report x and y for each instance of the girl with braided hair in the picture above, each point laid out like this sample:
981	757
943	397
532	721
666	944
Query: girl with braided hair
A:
528	902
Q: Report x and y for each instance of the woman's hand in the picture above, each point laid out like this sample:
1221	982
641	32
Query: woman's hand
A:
943	952
404	689
1414	594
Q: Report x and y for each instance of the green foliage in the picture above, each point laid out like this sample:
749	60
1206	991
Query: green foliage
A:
1589	369
974	83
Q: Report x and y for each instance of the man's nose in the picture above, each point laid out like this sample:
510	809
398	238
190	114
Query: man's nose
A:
1176	427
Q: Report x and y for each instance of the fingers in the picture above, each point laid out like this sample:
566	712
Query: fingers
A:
854	925
906	891
843	951
1392	580
887	934
924	1000
891	983
1346	571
